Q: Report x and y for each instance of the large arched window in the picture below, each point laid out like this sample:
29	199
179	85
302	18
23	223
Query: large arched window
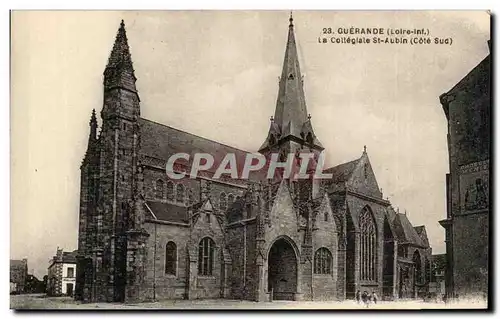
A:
206	257
417	264
159	189
171	258
170	191
368	246
322	261
230	200
179	193
222	202
427	270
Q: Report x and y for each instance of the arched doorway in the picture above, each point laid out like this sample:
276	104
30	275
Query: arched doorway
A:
282	270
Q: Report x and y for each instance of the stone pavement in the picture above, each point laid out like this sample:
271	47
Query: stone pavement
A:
43	302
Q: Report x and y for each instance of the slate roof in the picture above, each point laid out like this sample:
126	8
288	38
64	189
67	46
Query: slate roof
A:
69	257
405	232
161	141
419	229
168	212
17	263
342	172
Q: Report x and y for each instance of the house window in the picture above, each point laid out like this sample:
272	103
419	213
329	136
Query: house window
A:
171	258
160	185
207	217
206	257
322	261
368	246
71	272
222	202
326	216
170	191
179	193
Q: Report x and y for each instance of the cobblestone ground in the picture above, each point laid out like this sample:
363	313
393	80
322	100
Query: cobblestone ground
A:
43	302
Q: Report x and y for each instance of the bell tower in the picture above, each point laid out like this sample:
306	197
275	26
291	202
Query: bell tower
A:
291	129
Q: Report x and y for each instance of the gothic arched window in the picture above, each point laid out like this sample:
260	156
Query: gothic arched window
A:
322	261
222	202
159	189
417	264
171	258
368	246
427	270
179	193
170	191
206	256
230	200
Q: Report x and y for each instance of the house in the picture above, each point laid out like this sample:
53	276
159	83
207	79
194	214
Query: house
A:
61	274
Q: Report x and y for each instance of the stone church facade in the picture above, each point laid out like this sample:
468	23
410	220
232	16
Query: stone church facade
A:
143	236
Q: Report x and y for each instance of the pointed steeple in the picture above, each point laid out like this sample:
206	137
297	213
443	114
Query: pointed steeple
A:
93	127
120	72
291	119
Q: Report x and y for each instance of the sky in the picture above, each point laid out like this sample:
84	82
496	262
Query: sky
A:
215	74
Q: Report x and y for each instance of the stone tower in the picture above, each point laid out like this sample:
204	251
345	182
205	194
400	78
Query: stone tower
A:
113	217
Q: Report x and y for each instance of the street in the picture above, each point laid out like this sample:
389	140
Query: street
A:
41	301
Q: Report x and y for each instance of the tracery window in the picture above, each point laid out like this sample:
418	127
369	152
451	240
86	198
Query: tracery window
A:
206	257
368	246
322	261
222	202
159	189
230	200
179	195
417	263
170	191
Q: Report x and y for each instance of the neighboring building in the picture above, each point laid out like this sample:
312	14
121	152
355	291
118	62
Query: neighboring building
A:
143	236
467	107
18	275
33	285
61	274
437	283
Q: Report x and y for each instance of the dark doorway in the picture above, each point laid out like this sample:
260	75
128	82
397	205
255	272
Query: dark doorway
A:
282	274
69	289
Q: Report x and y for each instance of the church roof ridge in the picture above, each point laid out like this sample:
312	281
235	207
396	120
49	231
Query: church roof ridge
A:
194	135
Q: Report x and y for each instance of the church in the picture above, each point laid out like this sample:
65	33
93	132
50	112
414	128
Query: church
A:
143	236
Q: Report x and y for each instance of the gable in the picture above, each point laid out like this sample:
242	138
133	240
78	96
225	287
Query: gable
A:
362	180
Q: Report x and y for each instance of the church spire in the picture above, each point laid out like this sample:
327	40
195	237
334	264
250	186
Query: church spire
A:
291	120
93	126
120	72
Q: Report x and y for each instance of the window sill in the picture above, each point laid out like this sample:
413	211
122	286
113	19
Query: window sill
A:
170	276
206	277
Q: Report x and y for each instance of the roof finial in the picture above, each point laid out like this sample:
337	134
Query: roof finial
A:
272	119
122	24
291	19
308	116
364	149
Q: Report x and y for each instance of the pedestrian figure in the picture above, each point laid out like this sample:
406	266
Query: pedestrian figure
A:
364	297
374	297
358	297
